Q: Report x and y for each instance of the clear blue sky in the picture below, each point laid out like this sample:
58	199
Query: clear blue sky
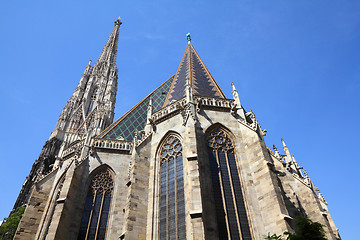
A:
295	63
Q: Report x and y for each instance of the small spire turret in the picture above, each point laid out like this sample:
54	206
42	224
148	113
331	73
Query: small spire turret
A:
149	120
287	152
88	68
237	102
83	81
295	162
298	168
277	154
188	91
149	110
189	101
235	95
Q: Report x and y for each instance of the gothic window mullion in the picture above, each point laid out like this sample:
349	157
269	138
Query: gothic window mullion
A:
233	193
222	192
175	193
180	203
228	196
100	212
172	199
167	199
94	221
171	202
227	187
91	215
239	198
163	201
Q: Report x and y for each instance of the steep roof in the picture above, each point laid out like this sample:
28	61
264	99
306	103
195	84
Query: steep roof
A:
192	67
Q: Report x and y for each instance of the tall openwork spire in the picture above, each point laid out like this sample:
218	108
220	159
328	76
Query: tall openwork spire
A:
92	104
108	54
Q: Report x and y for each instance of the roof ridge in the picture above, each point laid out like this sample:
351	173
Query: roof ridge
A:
176	74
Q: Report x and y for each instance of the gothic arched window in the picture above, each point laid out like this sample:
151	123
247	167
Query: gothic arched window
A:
172	204
229	200
97	206
92	100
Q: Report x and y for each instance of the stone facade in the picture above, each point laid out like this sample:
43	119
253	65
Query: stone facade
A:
189	107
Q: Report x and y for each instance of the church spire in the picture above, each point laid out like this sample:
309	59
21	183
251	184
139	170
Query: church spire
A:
108	54
92	104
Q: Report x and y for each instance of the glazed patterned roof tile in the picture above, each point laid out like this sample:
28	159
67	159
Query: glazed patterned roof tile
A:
135	118
192	67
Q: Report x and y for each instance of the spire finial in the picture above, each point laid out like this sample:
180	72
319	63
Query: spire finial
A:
188	38
118	21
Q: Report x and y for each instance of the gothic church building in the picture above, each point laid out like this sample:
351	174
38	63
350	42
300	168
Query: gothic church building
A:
186	162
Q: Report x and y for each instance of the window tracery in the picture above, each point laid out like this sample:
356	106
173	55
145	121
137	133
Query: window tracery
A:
97	206
229	200
172	204
92	100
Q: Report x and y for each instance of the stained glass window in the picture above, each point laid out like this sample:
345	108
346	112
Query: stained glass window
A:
172	205
97	206
229	200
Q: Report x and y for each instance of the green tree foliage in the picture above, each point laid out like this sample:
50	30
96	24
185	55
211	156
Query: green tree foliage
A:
305	229
273	237
9	225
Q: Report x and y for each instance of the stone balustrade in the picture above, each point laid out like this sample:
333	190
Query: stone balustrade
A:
169	109
214	102
113	144
180	104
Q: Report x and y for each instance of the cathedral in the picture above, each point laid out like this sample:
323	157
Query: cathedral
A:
186	162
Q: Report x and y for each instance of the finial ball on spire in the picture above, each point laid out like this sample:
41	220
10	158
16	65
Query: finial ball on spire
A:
188	38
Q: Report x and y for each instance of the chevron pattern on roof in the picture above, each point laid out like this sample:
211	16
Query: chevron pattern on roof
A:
192	67
135	118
